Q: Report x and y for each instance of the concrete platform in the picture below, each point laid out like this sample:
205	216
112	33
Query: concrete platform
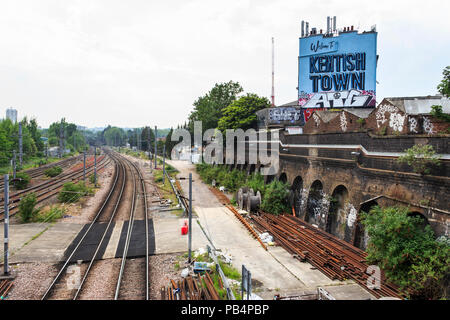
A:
39	242
168	238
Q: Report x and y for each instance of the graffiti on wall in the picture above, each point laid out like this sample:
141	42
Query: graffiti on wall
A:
342	99
285	114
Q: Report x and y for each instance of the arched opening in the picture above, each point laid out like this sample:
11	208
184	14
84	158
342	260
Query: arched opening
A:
336	214
314	204
361	236
270	178
423	219
283	178
297	188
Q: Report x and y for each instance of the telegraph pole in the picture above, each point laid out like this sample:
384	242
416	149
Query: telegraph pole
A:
20	145
156	146
190	218
95	166
84	166
14	164
164	164
6	226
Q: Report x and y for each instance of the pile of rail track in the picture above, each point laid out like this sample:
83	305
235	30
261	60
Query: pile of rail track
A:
51	187
335	258
5	288
191	288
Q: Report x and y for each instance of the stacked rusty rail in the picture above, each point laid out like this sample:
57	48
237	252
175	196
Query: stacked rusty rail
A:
336	258
5	287
191	288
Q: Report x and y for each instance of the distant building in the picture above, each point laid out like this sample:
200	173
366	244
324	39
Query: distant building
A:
11	114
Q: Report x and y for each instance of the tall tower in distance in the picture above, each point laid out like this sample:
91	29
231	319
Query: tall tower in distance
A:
11	114
273	74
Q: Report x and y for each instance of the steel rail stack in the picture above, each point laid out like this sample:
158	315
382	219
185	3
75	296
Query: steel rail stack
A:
334	257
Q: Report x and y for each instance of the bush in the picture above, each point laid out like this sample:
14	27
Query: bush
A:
50	215
22	180
256	182
92	179
407	252
27	210
275	198
53	171
421	158
72	192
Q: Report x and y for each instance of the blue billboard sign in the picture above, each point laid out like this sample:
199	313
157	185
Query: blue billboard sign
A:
337	71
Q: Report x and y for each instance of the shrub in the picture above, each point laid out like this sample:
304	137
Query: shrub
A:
275	198
421	158
22	180
27	210
256	182
407	252
92	179
72	192
53	171
50	215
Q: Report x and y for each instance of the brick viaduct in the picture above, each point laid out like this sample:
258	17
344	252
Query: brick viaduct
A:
334	177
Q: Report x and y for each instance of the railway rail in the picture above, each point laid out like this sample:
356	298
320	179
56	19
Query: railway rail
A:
51	187
125	172
38	172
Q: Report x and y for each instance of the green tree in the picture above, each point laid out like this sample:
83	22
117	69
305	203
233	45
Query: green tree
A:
27	210
114	136
444	85
421	158
208	108
241	114
407	252
275	198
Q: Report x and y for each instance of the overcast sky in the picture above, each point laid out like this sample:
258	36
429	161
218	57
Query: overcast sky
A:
135	63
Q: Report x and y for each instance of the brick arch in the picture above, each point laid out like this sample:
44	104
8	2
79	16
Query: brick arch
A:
314	202
283	177
337	215
297	195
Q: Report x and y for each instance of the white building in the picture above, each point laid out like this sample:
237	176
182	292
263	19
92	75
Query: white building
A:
11	114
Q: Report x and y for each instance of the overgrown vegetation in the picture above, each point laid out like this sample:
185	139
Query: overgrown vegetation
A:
53	171
275	198
436	111
72	192
421	158
22	180
231	180
52	214
407	252
27	210
274	195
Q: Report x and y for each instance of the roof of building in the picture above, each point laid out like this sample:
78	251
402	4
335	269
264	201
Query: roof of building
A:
290	104
360	112
326	115
420	105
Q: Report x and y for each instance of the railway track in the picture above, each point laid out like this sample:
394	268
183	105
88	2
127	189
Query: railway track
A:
51	187
38	172
129	184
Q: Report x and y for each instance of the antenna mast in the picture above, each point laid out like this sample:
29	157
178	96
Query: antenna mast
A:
273	75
